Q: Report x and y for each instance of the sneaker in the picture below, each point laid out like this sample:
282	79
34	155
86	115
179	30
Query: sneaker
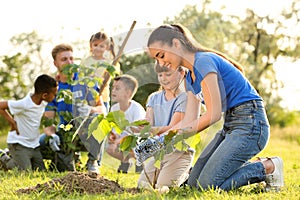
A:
93	167
275	180
123	168
2	152
6	150
4	158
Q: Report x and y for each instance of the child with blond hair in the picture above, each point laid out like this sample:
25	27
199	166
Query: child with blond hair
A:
123	89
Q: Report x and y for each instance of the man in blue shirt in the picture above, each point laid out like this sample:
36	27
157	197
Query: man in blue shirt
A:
67	111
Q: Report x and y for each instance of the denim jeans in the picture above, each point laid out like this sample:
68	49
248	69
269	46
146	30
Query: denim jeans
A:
224	163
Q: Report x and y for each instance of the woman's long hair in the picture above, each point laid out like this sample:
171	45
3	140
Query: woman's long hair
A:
166	34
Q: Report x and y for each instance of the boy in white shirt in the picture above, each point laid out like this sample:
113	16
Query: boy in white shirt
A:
23	138
123	89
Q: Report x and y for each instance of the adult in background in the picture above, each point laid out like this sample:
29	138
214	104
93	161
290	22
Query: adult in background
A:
65	161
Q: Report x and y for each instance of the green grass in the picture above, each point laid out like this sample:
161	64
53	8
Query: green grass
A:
283	142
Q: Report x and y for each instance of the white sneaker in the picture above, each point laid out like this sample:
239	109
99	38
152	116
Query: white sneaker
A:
4	159
275	180
93	167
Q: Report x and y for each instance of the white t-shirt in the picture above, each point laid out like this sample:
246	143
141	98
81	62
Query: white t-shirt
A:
28	116
133	113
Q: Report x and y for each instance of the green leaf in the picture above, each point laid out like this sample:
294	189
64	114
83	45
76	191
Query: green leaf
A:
116	128
102	130
145	132
118	117
169	136
71	146
193	141
69	70
169	148
94	124
68	116
66	95
139	123
45	122
111	70
181	146
128	142
158	157
157	164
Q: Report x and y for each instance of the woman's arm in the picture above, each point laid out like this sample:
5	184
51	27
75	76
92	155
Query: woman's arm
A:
212	99
192	112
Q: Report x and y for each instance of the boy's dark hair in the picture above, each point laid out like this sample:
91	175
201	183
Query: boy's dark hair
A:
44	83
129	81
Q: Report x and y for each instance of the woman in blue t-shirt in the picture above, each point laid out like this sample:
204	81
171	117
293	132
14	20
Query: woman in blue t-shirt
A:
220	81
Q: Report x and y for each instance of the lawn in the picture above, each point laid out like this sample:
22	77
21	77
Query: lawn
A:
283	142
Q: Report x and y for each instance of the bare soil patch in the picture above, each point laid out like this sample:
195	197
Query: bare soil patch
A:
80	182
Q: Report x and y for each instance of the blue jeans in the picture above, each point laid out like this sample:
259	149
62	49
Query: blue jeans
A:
224	163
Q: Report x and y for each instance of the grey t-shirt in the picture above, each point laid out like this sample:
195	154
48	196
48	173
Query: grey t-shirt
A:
163	109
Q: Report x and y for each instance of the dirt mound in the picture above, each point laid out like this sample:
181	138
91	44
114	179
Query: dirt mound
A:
80	182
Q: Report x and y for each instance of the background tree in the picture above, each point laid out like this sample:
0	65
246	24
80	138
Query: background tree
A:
11	77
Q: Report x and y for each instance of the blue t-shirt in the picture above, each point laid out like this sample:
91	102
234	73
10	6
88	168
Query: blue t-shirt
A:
79	92
234	87
59	104
163	109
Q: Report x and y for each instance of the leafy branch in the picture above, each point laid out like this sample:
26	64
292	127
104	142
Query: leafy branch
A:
87	80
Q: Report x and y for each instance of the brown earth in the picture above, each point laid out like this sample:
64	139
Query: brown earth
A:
80	182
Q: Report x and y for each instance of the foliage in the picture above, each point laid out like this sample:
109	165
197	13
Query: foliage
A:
88	80
12	80
284	118
115	121
23	65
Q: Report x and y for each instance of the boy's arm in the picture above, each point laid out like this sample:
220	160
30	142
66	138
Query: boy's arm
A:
49	130
99	108
54	141
7	116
